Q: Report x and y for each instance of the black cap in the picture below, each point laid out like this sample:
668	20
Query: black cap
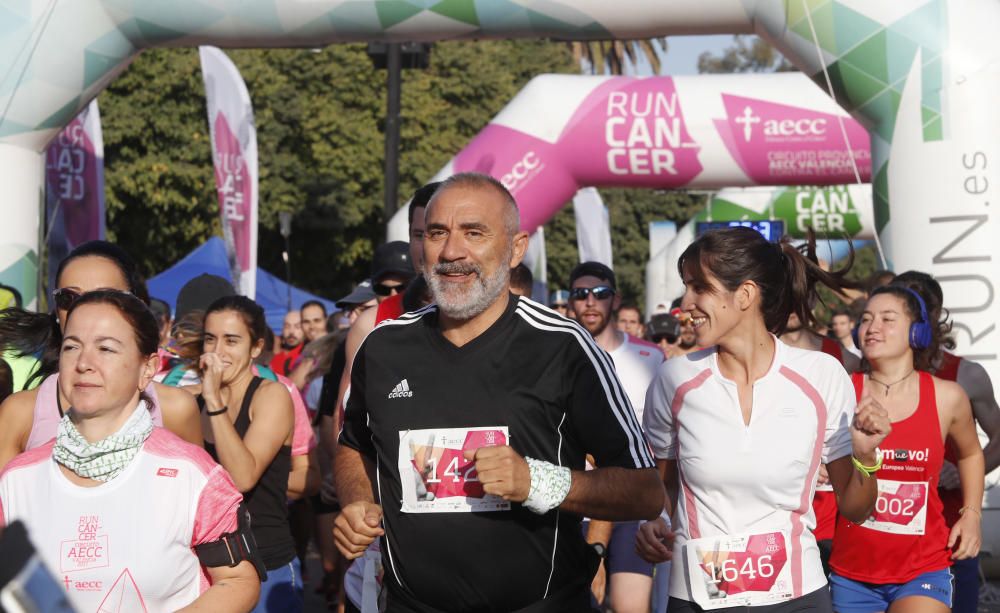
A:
392	258
664	324
593	269
360	295
199	293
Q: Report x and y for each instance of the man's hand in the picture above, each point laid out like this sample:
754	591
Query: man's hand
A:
502	471
870	427
655	541
357	527
949	479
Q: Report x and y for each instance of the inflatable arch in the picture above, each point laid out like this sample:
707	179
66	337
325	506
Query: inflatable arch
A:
564	132
922	75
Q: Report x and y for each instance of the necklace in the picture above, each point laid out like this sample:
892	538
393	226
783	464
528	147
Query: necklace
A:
889	385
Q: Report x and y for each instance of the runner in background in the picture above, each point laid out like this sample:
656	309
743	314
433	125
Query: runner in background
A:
629	320
559	302
521	280
976	383
593	298
899	557
740	429
248	424
825	500
291	344
29	419
842	326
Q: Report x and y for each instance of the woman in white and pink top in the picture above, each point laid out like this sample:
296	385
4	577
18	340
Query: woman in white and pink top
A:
115	506
739	431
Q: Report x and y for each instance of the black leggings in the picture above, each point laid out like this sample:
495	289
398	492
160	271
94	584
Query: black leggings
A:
814	602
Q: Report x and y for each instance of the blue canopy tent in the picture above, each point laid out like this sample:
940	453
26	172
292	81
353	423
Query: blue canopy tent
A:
272	292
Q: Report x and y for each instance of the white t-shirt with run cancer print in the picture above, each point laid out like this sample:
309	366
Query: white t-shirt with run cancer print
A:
126	545
753	480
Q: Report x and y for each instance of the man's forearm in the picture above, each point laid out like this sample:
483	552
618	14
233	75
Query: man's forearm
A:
615	494
351	474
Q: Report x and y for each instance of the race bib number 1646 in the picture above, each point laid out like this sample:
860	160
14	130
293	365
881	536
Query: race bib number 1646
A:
739	570
436	477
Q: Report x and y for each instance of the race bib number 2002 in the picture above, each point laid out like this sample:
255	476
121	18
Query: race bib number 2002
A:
436	477
739	570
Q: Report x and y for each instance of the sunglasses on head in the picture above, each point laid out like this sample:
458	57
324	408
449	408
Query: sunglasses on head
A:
381	289
601	292
64	298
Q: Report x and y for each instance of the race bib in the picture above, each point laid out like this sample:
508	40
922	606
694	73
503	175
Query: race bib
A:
901	507
739	571
436	477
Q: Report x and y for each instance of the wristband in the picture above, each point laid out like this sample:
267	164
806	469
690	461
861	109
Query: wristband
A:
549	486
973	509
867	470
219	412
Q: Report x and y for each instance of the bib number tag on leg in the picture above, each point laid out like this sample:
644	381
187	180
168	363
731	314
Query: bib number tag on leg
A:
436	477
901	507
739	570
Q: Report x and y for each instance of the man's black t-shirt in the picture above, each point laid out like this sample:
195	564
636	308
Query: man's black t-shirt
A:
533	380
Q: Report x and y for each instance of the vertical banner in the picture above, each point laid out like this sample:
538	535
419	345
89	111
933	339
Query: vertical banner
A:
534	259
74	187
661	234
593	227
234	154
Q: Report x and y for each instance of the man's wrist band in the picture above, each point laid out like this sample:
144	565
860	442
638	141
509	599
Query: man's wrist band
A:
867	470
549	486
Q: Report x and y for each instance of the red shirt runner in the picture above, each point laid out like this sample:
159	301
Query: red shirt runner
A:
906	535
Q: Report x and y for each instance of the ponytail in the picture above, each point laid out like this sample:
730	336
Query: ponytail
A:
26	333
786	275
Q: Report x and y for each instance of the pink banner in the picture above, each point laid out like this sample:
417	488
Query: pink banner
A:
781	144
234	155
74	187
662	132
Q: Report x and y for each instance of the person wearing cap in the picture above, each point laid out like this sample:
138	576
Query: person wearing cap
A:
593	298
559	302
361	298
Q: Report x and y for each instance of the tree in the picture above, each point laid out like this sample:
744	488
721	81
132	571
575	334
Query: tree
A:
610	56
319	118
748	54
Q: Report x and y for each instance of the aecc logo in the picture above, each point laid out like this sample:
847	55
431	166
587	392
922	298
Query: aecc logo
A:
521	170
780	127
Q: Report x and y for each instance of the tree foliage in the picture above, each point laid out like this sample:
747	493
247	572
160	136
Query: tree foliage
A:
748	54
319	117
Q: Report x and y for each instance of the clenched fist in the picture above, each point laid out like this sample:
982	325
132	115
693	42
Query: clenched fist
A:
502	471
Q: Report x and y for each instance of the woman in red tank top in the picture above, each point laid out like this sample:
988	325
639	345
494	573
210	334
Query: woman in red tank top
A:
898	559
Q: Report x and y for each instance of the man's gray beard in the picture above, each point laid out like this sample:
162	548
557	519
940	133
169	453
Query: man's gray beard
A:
464	305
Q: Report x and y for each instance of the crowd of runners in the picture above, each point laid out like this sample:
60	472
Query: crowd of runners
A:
447	444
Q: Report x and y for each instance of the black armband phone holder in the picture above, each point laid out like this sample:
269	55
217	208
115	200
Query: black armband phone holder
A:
233	547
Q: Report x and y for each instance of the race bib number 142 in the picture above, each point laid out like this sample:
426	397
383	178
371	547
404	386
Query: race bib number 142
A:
436	477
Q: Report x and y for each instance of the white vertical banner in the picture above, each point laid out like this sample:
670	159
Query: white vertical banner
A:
593	227
661	234
234	155
534	259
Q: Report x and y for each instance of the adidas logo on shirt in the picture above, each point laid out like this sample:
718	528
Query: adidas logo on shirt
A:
402	390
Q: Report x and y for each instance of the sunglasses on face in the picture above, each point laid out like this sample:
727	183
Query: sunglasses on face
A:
382	289
601	292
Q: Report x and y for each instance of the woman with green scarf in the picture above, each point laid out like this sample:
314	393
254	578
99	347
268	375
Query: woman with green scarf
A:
113	504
